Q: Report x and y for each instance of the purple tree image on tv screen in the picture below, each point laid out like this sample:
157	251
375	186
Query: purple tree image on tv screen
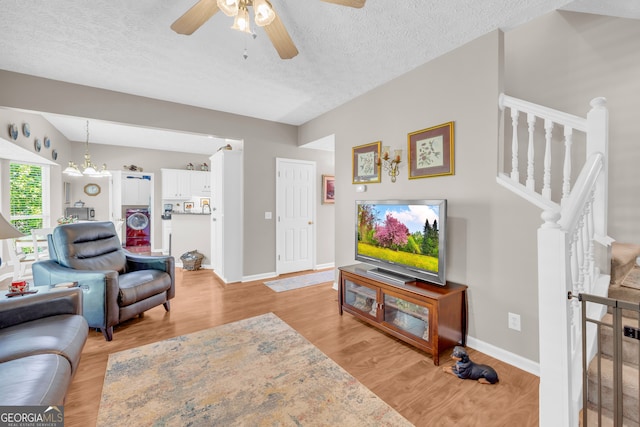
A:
392	233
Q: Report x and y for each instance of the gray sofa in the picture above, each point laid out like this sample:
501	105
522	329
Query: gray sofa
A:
41	338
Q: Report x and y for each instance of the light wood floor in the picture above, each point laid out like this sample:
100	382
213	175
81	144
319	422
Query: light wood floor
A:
403	377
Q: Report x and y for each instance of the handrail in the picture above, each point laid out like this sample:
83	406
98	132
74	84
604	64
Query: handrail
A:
572	227
578	123
582	191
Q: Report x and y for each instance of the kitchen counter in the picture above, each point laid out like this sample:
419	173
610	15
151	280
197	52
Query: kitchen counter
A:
191	231
190	213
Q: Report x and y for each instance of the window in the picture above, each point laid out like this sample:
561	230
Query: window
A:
29	196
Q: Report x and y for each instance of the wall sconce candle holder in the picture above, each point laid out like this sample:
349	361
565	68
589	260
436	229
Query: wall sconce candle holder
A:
390	164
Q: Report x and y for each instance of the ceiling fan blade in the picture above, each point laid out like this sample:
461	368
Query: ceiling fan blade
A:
195	17
280	39
351	3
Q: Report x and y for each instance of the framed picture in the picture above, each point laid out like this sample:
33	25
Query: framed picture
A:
366	169
205	201
188	206
431	151
328	189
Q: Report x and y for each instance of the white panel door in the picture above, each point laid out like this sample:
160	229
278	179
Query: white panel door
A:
295	216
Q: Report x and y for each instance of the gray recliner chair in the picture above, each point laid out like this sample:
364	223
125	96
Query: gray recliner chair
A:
117	285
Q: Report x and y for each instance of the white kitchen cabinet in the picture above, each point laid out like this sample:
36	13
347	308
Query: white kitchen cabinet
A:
176	184
226	215
200	183
136	189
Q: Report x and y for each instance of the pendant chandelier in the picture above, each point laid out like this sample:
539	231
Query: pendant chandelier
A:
88	168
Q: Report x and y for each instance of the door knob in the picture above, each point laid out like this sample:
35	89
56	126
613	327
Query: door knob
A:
310	222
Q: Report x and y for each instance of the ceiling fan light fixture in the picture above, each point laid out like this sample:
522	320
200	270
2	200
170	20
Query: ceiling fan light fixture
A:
264	13
241	22
228	7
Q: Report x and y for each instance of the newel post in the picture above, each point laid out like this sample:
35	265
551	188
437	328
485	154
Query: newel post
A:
598	142
556	408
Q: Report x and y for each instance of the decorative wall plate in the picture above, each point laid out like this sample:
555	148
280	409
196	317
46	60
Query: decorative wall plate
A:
92	189
26	129
47	142
54	154
37	145
13	131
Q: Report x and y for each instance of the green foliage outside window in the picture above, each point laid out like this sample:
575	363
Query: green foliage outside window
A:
26	196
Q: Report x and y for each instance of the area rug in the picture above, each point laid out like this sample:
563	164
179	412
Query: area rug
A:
632	279
301	281
254	372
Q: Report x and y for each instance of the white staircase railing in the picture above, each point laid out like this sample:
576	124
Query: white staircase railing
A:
573	233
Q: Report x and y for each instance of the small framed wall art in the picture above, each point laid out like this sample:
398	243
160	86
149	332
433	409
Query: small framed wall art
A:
366	169
328	189
431	151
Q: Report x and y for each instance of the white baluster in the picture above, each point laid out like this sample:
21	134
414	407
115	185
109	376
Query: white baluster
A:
546	180
590	251
581	253
575	289
531	121
576	260
566	172
515	174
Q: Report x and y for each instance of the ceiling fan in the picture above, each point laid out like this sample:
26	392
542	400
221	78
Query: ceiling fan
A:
265	16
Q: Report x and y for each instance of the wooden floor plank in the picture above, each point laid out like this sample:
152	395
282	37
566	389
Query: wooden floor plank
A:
402	376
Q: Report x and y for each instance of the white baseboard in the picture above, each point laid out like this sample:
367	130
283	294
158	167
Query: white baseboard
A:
261	276
202	266
272	274
326	265
504	356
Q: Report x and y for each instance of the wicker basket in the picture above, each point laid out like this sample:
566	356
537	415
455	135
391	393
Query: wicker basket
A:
191	260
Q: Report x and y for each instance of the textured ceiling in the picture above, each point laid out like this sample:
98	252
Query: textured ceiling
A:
128	46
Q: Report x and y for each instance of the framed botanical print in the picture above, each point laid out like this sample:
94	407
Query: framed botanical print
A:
431	151
328	189
366	169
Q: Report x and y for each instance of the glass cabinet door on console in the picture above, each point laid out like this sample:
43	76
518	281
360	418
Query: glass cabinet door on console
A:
428	316
406	316
362	298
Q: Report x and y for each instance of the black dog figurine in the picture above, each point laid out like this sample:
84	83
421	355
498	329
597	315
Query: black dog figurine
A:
466	369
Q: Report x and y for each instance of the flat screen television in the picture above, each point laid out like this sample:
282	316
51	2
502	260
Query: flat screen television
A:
404	240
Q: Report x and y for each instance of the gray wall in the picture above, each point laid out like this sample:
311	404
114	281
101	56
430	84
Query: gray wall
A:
565	59
561	60
487	250
263	142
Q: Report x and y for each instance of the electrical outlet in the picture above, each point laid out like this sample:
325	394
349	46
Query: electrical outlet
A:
514	321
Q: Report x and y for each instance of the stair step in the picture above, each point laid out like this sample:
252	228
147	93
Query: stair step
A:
630	346
623	258
625	293
630	387
607	418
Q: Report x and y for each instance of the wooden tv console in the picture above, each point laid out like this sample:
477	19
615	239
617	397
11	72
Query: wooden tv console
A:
430	317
